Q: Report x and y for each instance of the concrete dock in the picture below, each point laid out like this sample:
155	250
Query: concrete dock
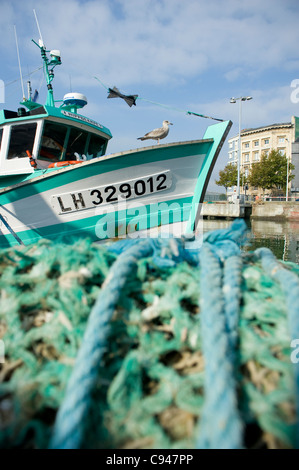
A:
279	211
269	210
225	210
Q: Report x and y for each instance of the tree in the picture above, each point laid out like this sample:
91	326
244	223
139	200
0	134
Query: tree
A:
228	176
271	171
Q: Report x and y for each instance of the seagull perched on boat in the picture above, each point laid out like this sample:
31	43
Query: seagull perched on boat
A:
157	134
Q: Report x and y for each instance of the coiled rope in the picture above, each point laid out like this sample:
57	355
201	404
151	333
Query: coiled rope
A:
220	425
183	347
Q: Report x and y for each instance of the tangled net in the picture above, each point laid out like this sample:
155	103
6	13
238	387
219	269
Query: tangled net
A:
148	344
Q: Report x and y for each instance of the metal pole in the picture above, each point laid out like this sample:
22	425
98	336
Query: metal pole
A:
234	100
20	69
287	187
239	153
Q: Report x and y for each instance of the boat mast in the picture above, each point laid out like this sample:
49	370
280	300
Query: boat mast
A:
49	74
55	60
29	90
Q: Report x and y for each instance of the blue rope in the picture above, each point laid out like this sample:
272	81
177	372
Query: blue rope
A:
290	285
234	233
167	252
220	424
224	243
232	280
69	429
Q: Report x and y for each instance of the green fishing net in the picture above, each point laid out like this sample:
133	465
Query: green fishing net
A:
150	388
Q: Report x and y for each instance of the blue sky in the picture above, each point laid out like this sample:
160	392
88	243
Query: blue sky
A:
191	55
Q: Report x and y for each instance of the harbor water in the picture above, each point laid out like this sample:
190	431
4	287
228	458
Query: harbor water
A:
281	237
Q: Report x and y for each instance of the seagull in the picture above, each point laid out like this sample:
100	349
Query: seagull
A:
157	134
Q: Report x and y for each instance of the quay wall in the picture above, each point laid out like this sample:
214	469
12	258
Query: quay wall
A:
269	210
224	210
276	211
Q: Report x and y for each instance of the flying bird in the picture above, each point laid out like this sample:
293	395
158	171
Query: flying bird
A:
129	99
157	134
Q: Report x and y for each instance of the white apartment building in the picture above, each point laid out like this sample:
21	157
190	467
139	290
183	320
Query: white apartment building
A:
283	137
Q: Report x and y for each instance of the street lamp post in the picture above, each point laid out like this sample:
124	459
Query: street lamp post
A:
287	187
234	100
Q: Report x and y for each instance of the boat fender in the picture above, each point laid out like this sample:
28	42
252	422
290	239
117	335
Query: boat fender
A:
80	157
31	159
65	163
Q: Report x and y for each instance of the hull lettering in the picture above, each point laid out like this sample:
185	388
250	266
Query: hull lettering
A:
112	193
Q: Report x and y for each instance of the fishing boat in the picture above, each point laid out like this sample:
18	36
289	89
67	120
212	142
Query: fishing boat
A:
57	180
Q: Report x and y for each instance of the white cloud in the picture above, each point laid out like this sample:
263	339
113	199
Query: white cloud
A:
268	106
233	74
193	55
157	41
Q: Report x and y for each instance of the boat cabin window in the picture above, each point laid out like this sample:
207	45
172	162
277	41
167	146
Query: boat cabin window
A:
76	143
97	146
53	140
60	142
83	143
21	139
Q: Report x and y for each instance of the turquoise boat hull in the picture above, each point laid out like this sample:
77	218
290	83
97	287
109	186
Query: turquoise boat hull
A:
142	192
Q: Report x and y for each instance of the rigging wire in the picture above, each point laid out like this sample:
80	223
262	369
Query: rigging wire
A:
107	88
17	79
166	106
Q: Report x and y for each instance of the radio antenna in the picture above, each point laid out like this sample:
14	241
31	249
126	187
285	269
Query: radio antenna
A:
19	63
40	34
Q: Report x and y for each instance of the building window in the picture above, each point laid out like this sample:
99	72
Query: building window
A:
256	143
266	141
246	157
280	140
281	151
246	172
256	156
246	145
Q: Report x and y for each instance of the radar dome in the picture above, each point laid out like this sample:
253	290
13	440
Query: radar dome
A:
75	99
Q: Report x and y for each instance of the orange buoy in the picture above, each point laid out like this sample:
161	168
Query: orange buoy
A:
65	163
